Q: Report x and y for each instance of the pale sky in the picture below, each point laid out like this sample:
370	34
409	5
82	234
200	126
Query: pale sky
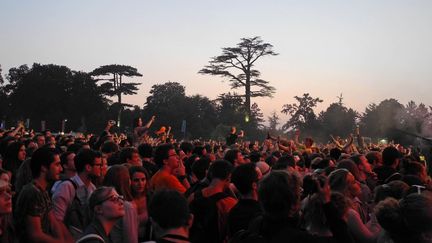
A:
368	50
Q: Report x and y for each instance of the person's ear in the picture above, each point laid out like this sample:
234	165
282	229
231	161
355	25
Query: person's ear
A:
98	210
44	169
190	220
255	186
88	167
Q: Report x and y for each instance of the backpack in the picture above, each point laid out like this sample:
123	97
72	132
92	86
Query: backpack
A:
205	227
77	215
91	238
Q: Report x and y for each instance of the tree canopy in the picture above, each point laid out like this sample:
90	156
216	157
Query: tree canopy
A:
237	64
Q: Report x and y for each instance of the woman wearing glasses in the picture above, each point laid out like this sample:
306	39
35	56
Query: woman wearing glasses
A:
106	207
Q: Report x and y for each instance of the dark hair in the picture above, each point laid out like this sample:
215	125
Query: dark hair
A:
187	147
145	150
169	209
10	161
254	156
200	167
279	194
118	177
220	169
395	189
126	153
85	157
243	177
231	155
408	219
335	153
199	150
350	166
373	157
389	156
63	157
287	161
42	157
139	169
109	147
161	153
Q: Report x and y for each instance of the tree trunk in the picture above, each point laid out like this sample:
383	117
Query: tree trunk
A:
119	96
248	93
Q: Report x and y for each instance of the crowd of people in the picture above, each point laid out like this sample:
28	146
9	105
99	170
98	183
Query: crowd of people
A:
148	187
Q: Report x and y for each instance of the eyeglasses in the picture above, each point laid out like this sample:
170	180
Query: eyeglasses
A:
113	198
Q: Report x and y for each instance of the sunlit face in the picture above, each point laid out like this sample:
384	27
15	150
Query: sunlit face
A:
22	153
139	182
112	207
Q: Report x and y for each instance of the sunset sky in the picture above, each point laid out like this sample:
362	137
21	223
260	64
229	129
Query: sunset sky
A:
368	50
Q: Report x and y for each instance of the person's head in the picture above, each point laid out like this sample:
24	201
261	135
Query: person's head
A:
106	204
374	158
5	198
166	156
279	194
416	169
138	122
67	160
139	180
200	168
314	215
45	163
407	220
390	156
350	166
394	189
220	170
90	162
168	209
130	156
5	175
308	142
245	178
118	177
109	147
341	180
335	153
234	156
15	152
187	148
145	150
362	164
40	140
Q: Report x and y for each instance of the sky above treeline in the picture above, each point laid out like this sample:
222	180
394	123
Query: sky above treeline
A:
367	50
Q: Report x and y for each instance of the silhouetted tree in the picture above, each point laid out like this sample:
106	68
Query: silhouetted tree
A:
115	85
380	121
302	114
338	120
53	93
237	63
273	120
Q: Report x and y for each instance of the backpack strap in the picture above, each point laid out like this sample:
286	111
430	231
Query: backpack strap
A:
91	237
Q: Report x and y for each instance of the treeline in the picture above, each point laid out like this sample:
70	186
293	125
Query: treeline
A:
53	94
